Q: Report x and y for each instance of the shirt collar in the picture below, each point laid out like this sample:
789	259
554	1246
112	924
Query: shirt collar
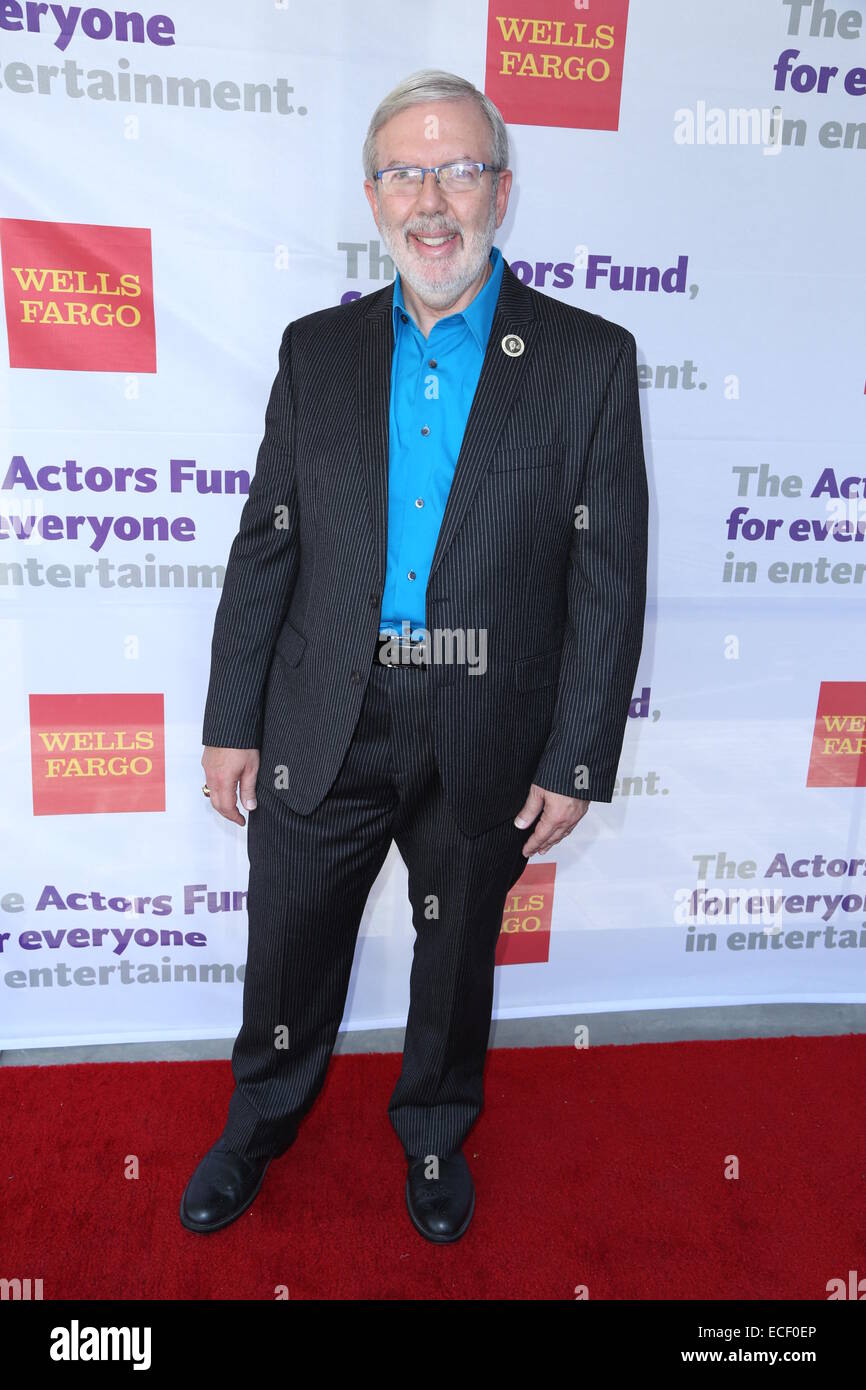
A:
478	315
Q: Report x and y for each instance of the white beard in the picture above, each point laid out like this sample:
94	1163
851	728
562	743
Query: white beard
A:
435	286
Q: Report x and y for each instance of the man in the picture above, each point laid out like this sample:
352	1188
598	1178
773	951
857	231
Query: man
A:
429	633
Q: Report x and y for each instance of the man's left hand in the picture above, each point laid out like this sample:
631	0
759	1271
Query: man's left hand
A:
559	816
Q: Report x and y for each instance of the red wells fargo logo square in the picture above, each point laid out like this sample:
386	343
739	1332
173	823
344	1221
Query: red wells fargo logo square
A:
552	63
839	741
97	753
525	934
78	298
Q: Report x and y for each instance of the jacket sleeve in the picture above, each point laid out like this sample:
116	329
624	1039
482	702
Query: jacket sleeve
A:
606	599
260	576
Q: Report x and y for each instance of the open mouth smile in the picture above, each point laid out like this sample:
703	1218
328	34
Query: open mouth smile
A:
434	244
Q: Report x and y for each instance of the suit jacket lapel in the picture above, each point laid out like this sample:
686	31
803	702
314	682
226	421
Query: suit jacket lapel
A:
374	398
497	389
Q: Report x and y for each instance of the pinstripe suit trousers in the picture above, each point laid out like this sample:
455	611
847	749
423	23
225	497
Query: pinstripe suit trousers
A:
310	876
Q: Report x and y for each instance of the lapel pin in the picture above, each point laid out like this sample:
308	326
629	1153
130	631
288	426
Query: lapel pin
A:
512	345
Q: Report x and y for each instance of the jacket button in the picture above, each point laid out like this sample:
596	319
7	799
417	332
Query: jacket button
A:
356	676
374	599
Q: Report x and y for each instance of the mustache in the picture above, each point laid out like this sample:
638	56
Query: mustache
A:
432	231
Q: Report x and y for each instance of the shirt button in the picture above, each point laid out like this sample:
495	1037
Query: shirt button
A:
425	429
405	318
432	361
411	574
419	501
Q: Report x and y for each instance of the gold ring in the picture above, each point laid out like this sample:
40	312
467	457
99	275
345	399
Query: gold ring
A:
206	789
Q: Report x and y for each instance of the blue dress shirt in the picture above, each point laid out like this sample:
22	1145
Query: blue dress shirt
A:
433	381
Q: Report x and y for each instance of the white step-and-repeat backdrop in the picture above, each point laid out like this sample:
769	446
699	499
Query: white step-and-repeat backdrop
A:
175	188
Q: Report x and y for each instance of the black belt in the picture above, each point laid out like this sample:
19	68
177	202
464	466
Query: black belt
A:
391	650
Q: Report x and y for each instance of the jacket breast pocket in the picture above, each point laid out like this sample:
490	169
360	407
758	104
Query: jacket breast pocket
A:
528	456
535	672
291	645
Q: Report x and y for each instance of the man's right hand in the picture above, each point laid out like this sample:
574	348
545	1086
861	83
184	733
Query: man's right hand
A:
224	768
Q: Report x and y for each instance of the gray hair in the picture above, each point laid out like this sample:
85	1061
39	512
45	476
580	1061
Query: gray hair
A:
431	84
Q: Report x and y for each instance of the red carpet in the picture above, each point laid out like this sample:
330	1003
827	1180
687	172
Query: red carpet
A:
602	1168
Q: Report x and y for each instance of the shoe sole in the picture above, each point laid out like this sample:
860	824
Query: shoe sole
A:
439	1240
205	1228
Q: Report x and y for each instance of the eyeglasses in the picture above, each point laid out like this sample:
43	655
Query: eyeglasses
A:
461	176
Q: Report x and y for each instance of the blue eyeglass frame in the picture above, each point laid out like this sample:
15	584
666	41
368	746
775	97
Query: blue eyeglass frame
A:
435	168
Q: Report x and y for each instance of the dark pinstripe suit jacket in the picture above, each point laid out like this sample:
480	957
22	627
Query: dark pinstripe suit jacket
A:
555	428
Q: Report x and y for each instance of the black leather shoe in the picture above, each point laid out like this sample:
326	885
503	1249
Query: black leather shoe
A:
222	1187
441	1208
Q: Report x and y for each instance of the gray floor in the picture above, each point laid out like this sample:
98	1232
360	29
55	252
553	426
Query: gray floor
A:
640	1026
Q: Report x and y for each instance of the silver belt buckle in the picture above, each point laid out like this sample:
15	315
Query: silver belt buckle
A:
400	644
